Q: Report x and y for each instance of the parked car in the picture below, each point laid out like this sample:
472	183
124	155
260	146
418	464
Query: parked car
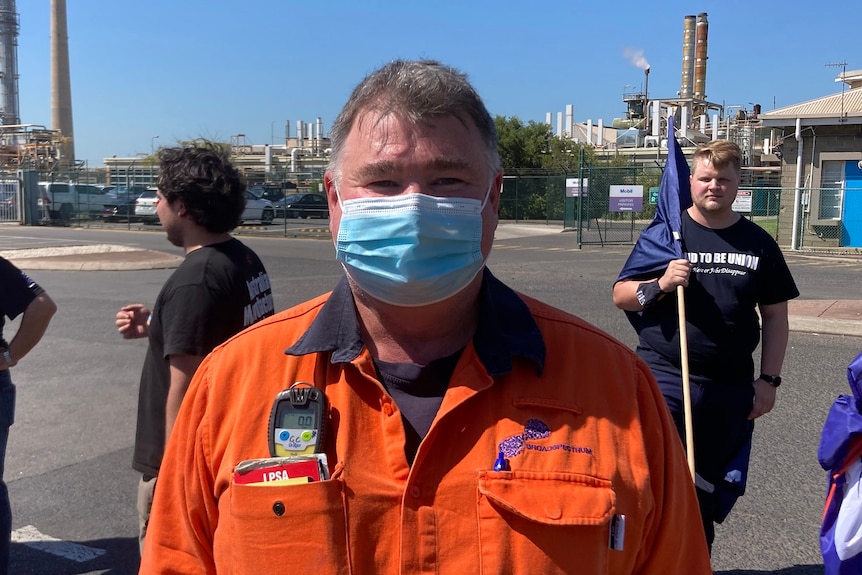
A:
302	206
122	194
124	212
65	199
258	209
271	192
145	206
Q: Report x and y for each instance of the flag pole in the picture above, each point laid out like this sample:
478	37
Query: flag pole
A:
686	388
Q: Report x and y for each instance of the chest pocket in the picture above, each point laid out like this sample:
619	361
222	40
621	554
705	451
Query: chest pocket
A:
534	522
307	520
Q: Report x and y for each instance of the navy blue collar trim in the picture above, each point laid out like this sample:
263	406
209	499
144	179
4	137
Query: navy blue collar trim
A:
506	329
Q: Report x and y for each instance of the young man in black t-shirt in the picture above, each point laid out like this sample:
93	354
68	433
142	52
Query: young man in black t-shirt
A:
18	295
732	269
220	288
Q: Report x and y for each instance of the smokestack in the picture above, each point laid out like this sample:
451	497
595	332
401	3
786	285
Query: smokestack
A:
700	56
687	56
570	119
9	115
61	84
646	84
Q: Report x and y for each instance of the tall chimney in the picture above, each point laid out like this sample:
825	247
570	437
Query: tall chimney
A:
9	114
687	56
646	84
701	34
61	84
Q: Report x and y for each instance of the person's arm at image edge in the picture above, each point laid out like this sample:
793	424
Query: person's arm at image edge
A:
33	325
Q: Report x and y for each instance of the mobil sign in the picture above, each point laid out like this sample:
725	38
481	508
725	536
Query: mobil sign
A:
626	198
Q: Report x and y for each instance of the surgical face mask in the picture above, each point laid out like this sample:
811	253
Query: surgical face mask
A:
411	250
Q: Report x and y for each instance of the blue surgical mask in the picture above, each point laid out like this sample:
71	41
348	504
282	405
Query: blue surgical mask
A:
411	250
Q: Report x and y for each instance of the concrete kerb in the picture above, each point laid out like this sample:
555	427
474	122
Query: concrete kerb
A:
825	326
93	257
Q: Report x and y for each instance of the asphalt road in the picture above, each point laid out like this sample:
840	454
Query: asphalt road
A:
67	466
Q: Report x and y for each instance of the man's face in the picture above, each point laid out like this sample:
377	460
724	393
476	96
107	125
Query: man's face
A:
389	156
169	219
712	190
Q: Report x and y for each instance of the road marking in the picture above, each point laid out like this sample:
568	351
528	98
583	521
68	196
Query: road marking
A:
30	536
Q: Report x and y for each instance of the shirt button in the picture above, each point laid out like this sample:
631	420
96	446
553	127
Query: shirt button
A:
553	510
415	492
278	508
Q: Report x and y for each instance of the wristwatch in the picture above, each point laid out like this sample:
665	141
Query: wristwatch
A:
773	380
7	357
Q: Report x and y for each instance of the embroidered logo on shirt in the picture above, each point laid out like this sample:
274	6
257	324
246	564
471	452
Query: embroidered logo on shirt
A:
536	430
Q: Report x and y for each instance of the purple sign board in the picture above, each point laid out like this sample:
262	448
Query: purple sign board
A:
626	198
576	188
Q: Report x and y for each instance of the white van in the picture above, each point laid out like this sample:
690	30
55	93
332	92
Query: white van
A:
65	200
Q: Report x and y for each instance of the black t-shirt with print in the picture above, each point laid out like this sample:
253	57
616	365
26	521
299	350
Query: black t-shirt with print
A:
214	294
734	270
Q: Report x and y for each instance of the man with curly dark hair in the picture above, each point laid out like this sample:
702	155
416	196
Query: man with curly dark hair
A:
219	289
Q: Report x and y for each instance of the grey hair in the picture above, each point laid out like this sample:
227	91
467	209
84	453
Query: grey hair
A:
416	91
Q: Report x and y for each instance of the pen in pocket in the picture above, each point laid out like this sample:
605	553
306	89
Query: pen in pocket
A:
501	464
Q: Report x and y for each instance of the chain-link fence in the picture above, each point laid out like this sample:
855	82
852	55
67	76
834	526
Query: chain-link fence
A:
612	205
603	205
828	219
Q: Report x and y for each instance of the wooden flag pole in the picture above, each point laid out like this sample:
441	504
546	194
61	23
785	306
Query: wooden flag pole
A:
686	389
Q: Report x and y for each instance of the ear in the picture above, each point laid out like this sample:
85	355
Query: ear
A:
496	191
330	187
334	206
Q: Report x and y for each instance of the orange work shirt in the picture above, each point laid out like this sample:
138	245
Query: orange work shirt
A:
597	480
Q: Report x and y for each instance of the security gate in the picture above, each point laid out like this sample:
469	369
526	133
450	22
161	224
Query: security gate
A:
10	201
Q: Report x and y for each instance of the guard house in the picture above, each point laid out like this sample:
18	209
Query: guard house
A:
820	149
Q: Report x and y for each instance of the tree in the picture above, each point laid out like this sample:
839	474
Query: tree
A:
532	146
521	146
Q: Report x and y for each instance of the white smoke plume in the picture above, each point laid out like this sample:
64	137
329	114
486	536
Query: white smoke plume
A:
636	57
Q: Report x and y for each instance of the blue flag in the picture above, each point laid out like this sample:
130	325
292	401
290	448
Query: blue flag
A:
661	241
840	454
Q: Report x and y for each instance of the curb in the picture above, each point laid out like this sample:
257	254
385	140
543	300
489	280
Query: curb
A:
121	261
825	326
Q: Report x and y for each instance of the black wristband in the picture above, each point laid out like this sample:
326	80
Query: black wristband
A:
648	293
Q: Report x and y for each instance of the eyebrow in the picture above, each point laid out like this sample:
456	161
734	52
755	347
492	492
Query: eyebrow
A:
386	167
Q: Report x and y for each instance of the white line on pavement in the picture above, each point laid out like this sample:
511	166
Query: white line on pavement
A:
30	536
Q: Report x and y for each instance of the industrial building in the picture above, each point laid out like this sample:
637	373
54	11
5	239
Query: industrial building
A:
641	135
301	160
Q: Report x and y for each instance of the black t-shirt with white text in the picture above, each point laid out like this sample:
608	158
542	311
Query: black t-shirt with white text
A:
216	292
734	270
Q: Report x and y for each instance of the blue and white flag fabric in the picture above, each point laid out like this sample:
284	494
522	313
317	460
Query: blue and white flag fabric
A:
840	454
661	242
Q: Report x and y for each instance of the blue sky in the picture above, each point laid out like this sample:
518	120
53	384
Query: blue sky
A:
180	69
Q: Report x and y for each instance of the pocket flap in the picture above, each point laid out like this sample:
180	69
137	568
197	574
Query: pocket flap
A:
550	498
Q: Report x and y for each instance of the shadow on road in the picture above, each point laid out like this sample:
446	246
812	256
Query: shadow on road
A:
121	558
795	570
